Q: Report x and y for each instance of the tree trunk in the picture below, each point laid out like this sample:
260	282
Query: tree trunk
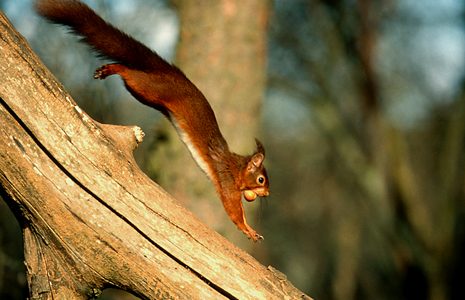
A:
91	219
222	50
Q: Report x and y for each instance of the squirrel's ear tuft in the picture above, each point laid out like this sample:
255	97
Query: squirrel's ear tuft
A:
260	148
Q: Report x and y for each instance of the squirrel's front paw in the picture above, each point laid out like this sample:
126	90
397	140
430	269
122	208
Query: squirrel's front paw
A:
255	236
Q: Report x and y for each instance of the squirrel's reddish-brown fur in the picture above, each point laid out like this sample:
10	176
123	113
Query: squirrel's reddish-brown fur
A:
158	84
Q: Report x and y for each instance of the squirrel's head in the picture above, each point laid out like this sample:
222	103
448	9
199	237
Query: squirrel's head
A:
254	178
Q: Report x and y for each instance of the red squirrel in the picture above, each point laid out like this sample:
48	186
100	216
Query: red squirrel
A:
160	85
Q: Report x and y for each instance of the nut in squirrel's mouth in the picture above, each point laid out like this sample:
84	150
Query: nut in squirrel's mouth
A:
251	195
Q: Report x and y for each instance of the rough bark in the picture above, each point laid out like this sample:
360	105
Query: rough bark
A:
91	219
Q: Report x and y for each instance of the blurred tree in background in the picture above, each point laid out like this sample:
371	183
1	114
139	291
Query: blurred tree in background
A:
363	123
372	188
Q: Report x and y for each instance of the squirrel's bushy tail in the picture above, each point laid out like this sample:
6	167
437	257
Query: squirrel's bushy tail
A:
108	41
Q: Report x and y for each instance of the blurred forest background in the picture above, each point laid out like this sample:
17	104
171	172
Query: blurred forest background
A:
360	105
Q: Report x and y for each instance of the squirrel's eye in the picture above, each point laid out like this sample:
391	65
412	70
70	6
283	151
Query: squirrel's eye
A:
261	179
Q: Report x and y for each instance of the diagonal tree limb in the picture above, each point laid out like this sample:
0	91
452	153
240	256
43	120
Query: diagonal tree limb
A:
91	218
